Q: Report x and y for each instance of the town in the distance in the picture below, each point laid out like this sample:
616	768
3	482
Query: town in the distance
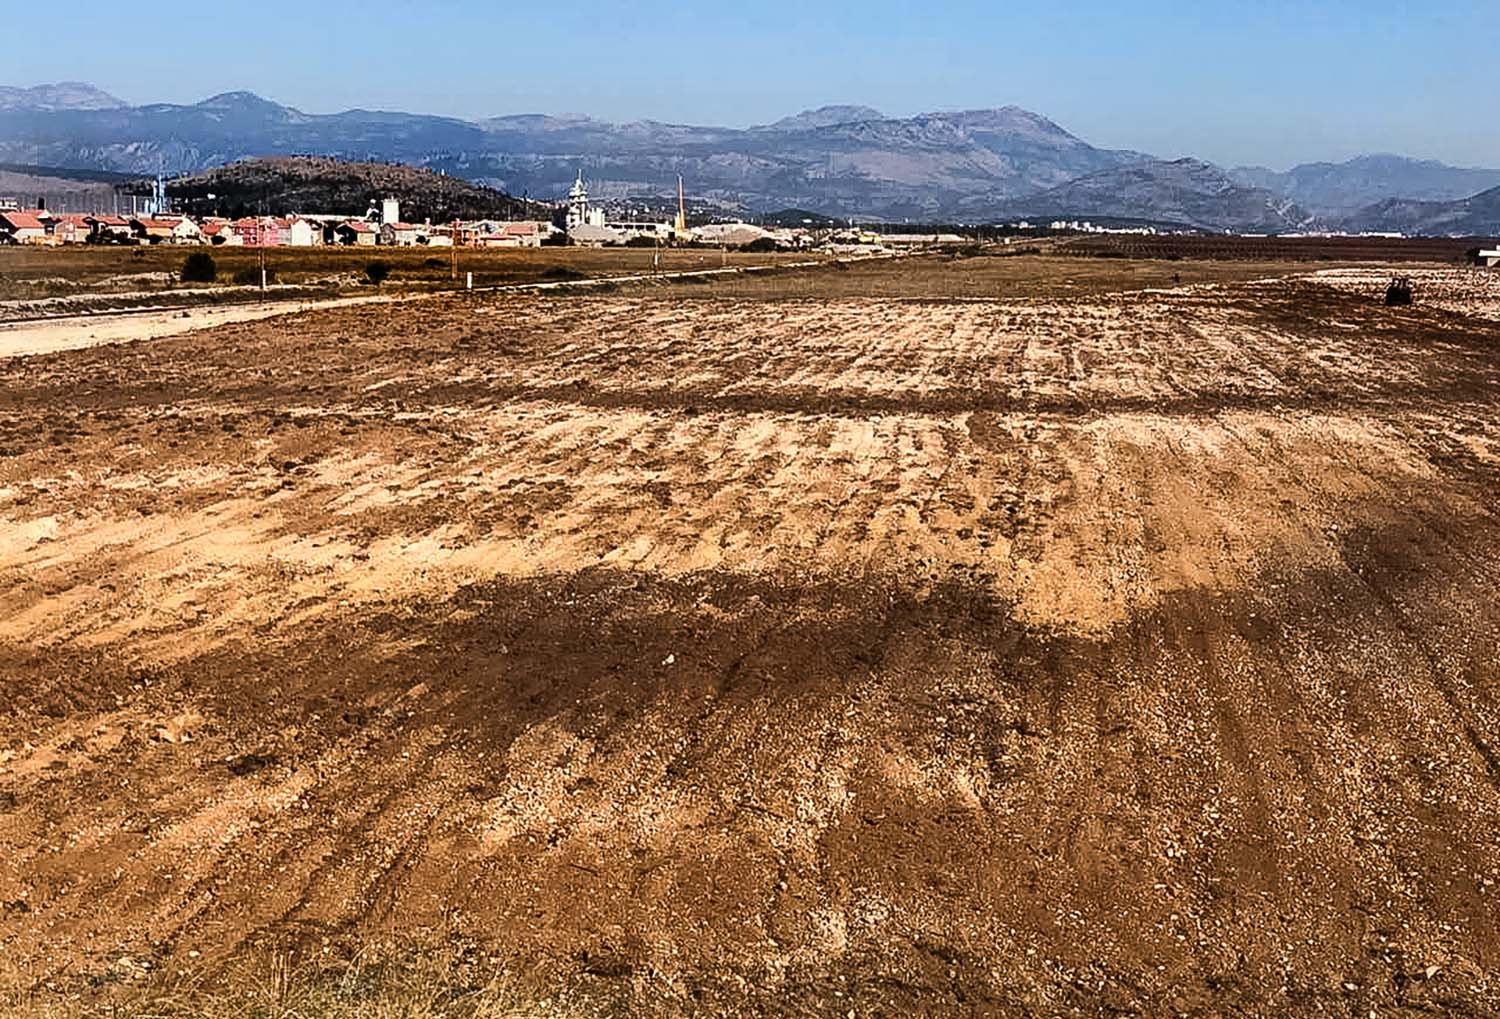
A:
155	220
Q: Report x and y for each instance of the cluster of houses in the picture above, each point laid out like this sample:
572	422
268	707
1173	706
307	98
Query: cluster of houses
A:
39	226
582	224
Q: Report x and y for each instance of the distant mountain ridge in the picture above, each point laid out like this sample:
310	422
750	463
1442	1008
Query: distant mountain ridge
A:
823	116
63	95
934	165
171	138
1476	216
842	161
1337	189
1184	191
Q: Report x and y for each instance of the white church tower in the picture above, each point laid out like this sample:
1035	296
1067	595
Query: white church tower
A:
578	203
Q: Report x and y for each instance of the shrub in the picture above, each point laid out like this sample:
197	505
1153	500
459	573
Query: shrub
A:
641	241
434	263
250	276
761	245
199	267
377	271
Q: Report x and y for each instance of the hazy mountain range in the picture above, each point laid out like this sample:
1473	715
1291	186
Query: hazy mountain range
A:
1476	216
1338	189
839	160
64	95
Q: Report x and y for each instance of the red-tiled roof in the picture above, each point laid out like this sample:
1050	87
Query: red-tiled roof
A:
22	221
109	220
520	229
359	226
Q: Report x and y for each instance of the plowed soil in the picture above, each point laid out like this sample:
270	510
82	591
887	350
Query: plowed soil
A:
712	653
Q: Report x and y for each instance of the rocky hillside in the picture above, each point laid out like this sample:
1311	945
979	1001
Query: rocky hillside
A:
840	161
64	95
1478	216
172	139
930	166
826	116
1338	189
69	190
277	186
1188	192
933	166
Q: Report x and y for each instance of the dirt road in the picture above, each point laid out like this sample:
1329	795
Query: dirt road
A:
51	335
683	653
72	332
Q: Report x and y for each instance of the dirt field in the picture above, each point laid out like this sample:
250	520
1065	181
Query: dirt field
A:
787	647
1290	249
31	273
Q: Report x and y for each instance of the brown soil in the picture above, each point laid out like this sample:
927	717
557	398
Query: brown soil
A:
31	273
1291	249
1118	653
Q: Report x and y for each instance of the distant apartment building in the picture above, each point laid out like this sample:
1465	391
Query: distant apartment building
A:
258	232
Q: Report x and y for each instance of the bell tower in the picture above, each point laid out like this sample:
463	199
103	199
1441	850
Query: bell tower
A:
578	203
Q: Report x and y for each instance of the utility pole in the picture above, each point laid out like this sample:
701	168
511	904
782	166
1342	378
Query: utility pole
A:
455	249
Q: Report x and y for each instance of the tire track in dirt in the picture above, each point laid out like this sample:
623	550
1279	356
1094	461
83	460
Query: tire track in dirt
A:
773	694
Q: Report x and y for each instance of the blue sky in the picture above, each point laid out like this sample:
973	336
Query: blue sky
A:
1236	82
